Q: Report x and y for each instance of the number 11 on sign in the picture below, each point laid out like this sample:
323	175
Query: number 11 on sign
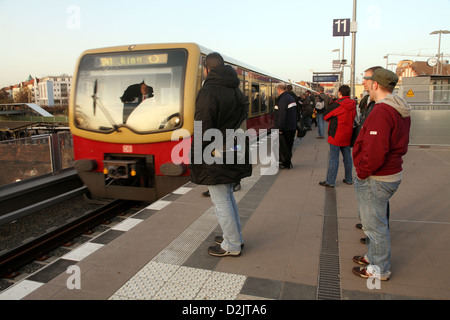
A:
341	27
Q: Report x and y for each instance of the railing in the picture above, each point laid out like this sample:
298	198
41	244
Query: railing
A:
425	93
30	157
63	119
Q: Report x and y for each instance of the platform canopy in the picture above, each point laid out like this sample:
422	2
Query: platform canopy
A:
9	109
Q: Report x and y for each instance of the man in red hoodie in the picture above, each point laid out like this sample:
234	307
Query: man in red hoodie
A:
340	115
377	156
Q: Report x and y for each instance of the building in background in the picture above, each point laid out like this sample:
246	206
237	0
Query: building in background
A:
51	91
54	91
424	82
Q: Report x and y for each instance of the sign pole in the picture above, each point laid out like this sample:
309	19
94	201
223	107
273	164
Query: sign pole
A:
353	29
342	65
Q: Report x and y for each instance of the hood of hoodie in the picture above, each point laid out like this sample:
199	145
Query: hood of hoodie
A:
347	103
223	76
398	104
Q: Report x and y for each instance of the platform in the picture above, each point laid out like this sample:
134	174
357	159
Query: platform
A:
299	239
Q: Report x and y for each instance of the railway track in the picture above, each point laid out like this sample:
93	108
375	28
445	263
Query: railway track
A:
13	259
30	202
26	197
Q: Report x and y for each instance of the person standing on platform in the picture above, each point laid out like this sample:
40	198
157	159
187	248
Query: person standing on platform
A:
307	111
312	102
365	107
322	102
286	124
340	115
366	104
377	155
220	105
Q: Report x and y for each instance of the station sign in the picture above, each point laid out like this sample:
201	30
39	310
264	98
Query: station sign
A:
341	27
325	78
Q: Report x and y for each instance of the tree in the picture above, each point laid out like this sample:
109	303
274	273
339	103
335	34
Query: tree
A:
23	95
5	97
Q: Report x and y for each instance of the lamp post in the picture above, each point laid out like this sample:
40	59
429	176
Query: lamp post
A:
391	64
339	53
439	32
341	76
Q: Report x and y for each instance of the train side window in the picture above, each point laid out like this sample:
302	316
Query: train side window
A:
203	69
274	96
263	92
200	73
256	99
241	76
247	93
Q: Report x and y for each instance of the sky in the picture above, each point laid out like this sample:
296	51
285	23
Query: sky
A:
290	39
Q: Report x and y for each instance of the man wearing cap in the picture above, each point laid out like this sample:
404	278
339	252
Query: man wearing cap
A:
377	157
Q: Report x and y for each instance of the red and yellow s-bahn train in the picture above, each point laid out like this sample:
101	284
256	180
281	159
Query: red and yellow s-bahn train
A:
127	101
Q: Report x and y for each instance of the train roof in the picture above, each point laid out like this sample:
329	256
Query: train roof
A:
249	67
203	50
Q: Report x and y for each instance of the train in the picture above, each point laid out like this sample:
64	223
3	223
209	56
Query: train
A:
127	101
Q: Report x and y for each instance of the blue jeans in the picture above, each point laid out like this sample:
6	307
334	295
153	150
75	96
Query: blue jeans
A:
228	216
320	123
333	164
373	198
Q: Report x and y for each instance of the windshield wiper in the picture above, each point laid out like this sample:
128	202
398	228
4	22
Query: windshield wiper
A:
94	96
105	112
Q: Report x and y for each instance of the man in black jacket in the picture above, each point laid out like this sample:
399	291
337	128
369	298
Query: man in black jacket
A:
286	123
220	106
322	103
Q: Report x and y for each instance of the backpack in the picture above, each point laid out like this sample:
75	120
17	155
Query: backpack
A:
320	104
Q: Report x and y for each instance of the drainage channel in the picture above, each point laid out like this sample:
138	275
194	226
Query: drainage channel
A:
329	284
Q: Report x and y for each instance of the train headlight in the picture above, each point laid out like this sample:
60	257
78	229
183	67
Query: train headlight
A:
81	120
174	122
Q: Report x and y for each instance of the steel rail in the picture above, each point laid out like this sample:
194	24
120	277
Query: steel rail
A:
15	258
26	197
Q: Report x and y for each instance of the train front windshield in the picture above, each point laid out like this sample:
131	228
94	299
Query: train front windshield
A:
141	90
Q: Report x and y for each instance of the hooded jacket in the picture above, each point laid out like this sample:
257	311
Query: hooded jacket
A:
383	140
220	105
286	112
340	115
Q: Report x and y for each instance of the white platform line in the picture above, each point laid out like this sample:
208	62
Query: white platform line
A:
20	290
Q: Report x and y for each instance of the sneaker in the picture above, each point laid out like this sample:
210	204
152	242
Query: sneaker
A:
219	239
217	251
206	193
287	167
363	240
368	271
349	183
361	260
359	226
319	137
325	184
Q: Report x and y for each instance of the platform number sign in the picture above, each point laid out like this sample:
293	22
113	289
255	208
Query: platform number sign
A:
341	27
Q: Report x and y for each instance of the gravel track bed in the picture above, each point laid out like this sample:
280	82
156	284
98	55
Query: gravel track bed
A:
15	233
